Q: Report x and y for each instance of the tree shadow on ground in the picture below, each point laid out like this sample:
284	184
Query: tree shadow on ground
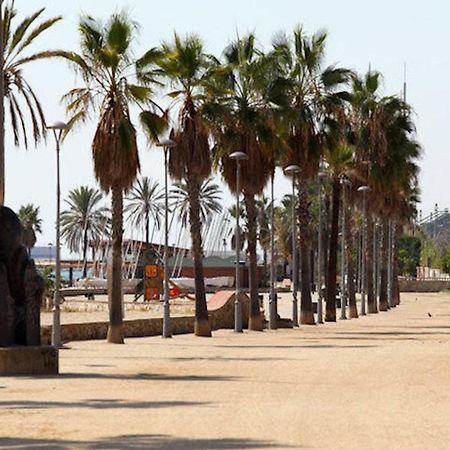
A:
140	442
98	404
276	347
138	377
224	359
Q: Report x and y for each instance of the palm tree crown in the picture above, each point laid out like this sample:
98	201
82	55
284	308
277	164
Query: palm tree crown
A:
31	223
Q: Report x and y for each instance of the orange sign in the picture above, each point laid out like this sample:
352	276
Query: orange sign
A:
151	271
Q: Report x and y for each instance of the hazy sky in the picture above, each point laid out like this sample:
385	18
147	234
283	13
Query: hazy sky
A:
385	34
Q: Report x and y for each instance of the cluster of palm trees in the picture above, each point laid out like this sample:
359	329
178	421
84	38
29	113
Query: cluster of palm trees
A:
280	107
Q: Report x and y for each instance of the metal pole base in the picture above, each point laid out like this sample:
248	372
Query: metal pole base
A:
166	321
295	312
56	327
237	315
319	310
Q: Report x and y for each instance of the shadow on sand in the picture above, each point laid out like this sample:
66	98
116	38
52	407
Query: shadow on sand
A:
139	442
98	404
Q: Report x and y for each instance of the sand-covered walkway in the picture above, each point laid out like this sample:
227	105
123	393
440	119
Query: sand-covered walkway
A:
379	382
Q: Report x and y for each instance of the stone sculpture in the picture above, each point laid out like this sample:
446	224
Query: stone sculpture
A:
21	287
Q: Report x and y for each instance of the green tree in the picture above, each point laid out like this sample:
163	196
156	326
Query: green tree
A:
307	90
17	41
209	197
31	223
85	222
106	66
242	121
144	203
185	65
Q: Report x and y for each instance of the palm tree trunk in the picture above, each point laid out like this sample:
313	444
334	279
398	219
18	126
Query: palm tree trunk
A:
85	246
330	313
383	266
372	307
115	298
395	283
350	256
2	112
255	322
202	326
306	309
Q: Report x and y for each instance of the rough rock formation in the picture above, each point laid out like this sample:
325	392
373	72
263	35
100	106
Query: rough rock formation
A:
21	287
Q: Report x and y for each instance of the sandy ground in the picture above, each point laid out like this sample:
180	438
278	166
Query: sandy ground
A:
382	381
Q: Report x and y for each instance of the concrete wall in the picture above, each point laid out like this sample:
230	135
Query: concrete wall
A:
423	285
221	316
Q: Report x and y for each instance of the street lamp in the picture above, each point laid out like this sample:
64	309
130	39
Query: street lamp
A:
166	144
322	175
364	190
292	171
273	325
344	182
238	157
58	129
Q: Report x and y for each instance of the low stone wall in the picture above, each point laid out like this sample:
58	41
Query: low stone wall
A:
423	285
221	314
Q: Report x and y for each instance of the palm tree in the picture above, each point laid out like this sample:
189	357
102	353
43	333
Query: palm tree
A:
209	198
185	65
263	206
242	117
85	221
145	202
105	64
17	40
309	88
31	223
339	157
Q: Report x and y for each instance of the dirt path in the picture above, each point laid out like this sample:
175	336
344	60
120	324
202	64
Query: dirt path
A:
382	381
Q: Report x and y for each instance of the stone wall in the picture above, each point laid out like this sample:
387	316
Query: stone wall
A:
221	313
423	285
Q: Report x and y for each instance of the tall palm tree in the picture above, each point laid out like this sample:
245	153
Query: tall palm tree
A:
309	88
340	158
17	52
106	66
185	65
31	223
242	115
85	221
144	203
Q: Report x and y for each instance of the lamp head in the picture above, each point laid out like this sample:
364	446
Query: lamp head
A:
238	156
292	170
58	125
166	143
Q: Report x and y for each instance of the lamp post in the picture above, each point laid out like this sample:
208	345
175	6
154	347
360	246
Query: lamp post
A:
238	157
166	144
322	175
344	182
292	171
273	294
58	129
364	190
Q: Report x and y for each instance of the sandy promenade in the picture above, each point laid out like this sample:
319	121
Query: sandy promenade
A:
379	382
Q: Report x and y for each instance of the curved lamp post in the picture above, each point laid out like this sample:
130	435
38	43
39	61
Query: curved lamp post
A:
238	157
364	190
166	144
292	171
58	129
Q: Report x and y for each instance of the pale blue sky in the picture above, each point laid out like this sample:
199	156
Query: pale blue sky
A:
385	34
